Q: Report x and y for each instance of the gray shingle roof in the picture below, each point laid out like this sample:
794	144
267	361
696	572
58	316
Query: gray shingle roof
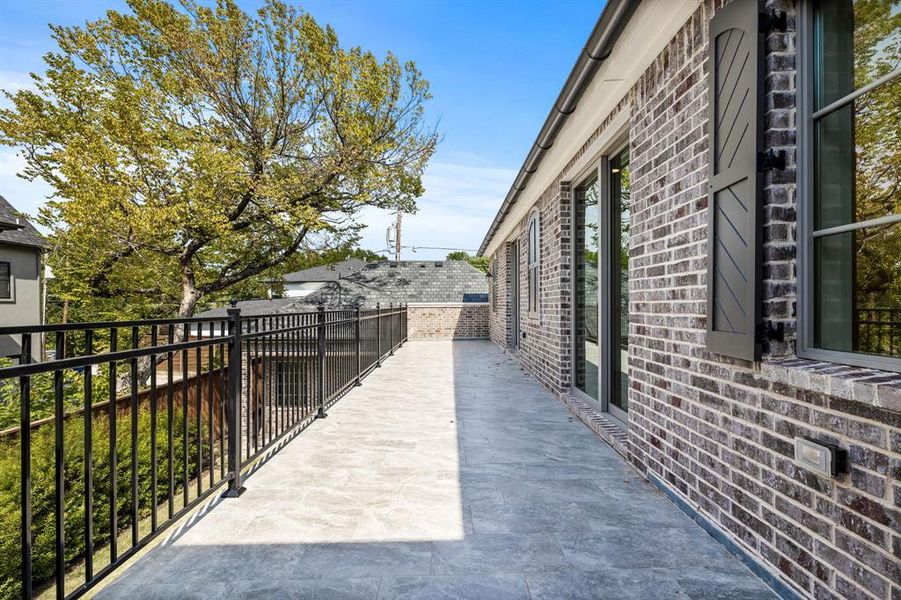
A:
383	283
330	272
15	229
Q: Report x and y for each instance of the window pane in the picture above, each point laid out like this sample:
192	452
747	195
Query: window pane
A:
858	159
858	291
856	42
586	304
5	283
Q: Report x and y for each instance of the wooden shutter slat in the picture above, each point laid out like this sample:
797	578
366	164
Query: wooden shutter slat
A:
734	203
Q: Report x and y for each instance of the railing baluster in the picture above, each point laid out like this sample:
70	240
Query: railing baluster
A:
210	410
170	419
88	460
223	395
185	390
133	375
25	467
378	335
154	484
198	410
113	451
59	469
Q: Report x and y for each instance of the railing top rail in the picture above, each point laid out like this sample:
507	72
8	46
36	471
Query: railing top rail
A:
82	326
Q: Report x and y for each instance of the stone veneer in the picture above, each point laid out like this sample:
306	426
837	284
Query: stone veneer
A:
719	431
447	321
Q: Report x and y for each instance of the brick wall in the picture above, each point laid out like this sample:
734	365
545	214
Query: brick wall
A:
719	431
544	347
446	321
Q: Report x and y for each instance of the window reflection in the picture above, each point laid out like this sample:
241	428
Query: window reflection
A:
586	288
857	177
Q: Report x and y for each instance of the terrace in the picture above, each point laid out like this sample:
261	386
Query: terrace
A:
449	473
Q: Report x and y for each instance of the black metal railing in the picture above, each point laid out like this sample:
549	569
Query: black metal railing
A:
879	331
130	425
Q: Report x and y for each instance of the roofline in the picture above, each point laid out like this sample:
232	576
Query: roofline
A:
42	247
600	43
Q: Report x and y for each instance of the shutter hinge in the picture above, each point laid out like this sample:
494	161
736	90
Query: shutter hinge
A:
771	330
771	160
773	20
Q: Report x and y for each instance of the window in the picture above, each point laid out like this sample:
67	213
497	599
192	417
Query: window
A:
852	270
494	283
6	281
534	259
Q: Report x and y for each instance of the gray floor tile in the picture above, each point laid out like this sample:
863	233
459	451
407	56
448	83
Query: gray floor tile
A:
572	490
506	553
306	589
527	518
448	474
363	560
456	587
610	584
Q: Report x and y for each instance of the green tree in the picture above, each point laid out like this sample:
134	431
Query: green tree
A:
193	148
479	262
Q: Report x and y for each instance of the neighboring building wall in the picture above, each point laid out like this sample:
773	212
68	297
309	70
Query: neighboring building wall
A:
447	321
718	431
25	306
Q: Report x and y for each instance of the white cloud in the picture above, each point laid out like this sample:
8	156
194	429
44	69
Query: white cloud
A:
455	212
13	81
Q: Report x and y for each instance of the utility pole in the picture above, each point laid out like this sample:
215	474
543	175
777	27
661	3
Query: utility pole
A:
397	238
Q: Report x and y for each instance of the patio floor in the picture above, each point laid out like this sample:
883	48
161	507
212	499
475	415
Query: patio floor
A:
448	474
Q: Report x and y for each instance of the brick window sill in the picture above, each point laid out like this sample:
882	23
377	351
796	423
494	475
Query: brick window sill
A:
868	386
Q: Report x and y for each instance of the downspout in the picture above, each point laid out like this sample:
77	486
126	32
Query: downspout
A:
598	47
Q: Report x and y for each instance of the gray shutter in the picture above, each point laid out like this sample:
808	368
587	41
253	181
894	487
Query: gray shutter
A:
734	239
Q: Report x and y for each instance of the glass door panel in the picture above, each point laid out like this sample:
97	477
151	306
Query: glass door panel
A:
619	284
587	354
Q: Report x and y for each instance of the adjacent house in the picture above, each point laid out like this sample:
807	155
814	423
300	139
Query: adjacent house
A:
699	256
306	281
20	277
446	299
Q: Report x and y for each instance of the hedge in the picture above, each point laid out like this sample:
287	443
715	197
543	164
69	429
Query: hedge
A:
43	489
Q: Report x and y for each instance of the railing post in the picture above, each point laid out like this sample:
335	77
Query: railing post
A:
320	329
235	488
359	347
378	334
391	329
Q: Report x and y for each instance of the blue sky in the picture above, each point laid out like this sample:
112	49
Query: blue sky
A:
495	69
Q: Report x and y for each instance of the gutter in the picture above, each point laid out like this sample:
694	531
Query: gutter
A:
600	43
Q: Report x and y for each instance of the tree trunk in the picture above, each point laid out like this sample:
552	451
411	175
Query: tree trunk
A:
189	298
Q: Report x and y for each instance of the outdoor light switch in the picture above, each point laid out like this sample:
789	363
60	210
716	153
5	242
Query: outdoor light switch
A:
827	459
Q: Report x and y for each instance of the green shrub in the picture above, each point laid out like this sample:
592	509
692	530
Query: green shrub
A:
43	488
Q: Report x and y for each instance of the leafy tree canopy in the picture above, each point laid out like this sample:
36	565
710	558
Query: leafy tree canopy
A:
479	262
192	149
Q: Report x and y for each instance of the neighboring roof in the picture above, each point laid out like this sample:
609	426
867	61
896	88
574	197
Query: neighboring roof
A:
600	43
381	283
16	230
331	272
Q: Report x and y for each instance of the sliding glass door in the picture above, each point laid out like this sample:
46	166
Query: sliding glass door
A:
585	327
601	286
